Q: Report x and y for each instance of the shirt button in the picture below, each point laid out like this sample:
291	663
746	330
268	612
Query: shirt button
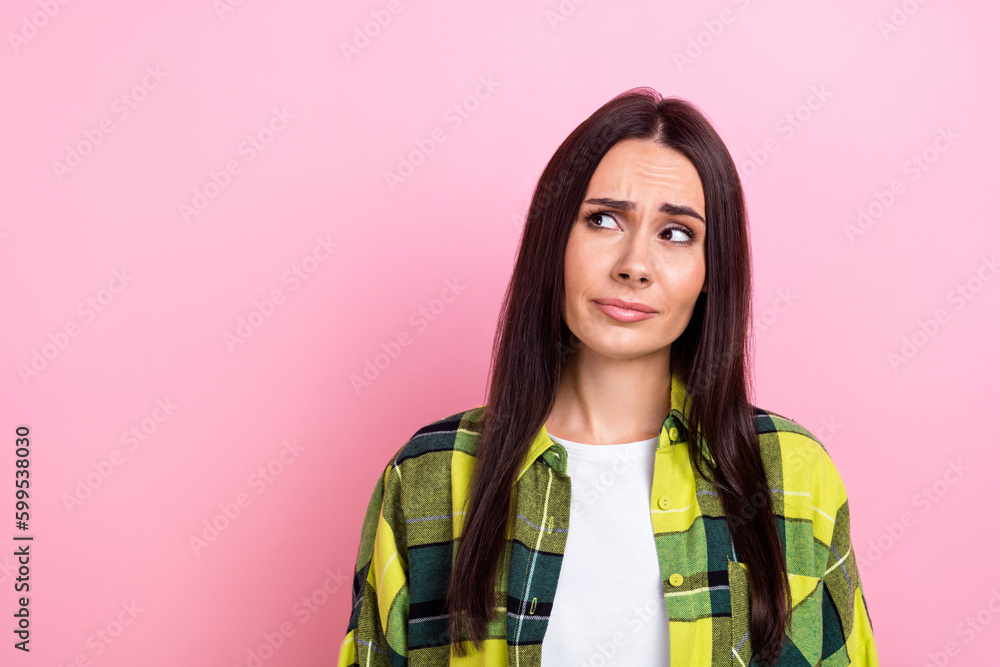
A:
672	433
663	502
676	579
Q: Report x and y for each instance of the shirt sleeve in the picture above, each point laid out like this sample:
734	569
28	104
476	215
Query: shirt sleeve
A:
377	630
848	638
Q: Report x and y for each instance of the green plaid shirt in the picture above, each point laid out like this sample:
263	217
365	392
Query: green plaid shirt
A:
416	514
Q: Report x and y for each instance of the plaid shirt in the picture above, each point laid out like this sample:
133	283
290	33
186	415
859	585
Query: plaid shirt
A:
416	514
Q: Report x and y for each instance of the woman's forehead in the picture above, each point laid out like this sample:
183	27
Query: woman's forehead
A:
635	169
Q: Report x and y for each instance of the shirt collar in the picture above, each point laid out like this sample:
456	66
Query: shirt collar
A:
679	418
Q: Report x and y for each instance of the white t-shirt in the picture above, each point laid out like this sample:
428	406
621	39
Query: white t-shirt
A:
608	607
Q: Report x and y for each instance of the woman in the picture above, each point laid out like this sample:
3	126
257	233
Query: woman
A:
700	530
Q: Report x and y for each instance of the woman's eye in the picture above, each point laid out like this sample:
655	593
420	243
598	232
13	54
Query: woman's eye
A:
671	231
669	234
595	219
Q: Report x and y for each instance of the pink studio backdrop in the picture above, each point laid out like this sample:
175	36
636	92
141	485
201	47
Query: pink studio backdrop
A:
201	253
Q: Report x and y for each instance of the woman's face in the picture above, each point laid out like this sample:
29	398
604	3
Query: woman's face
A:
639	236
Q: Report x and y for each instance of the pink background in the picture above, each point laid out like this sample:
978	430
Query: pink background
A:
832	307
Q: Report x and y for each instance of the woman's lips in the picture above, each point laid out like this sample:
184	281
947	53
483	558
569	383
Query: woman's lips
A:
615	309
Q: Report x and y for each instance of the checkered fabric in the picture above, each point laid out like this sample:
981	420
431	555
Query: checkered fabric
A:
416	514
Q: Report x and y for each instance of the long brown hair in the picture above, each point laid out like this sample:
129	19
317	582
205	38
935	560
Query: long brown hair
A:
710	357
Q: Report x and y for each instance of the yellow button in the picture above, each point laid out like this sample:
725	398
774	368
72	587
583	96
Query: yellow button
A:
672	433
676	579
663	502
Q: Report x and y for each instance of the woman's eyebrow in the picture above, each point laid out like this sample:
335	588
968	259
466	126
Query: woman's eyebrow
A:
626	205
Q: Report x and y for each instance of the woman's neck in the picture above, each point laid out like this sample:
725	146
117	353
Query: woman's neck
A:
606	401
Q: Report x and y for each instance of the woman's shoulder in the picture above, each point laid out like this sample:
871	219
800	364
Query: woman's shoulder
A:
792	454
439	439
421	477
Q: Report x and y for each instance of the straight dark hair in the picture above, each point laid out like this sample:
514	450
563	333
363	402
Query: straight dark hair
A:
710	357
